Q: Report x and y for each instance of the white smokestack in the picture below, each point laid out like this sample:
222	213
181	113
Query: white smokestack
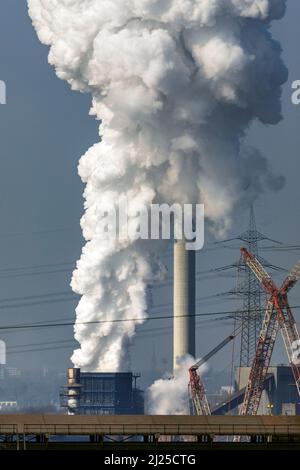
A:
184	303
175	85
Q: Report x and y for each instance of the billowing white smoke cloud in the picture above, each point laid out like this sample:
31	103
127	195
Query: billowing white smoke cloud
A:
169	396
174	84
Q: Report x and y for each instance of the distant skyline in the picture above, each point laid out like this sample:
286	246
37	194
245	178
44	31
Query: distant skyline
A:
45	129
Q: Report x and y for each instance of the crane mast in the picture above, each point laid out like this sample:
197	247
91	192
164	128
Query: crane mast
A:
290	336
278	315
197	390
261	362
198	395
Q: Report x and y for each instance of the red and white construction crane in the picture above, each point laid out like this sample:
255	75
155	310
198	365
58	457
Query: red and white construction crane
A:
196	387
278	316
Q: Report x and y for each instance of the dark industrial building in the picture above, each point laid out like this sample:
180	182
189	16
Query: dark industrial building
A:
102	393
280	395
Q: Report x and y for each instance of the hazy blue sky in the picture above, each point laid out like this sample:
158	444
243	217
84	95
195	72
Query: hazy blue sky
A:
44	130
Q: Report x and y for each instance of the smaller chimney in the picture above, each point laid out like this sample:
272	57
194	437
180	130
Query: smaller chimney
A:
73	390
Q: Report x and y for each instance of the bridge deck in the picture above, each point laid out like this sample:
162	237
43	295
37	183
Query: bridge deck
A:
149	425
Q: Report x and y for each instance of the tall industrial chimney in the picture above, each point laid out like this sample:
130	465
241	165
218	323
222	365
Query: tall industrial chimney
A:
184	301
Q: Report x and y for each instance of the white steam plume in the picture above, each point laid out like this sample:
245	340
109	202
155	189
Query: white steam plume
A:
174	84
169	396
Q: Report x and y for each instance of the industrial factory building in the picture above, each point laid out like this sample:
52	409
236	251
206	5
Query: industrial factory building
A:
259	388
280	395
102	393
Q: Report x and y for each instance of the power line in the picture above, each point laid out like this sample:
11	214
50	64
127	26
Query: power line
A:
39	349
95	322
46	298
31	300
66	344
41	302
149	330
40	296
48	343
37	232
37	266
119	320
69	346
37	273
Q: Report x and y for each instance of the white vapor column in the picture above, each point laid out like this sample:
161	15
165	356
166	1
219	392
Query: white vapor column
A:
174	85
184	302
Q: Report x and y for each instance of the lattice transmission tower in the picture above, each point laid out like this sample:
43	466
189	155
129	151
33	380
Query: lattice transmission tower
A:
252	296
249	289
249	292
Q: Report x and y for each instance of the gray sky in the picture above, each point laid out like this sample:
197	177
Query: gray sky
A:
45	128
